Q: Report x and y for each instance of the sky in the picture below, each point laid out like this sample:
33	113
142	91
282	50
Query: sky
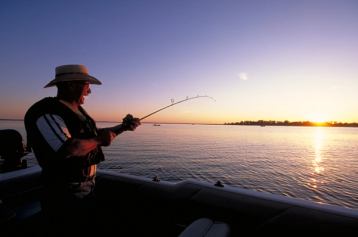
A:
271	60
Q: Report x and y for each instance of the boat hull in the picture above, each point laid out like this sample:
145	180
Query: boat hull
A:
137	206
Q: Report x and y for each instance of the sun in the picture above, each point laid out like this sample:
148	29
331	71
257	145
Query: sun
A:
318	119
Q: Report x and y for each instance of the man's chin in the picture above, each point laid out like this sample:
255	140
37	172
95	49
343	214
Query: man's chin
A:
81	100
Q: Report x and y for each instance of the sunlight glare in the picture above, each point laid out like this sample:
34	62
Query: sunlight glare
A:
318	142
318	119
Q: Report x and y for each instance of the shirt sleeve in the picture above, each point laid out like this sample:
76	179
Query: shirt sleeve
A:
54	130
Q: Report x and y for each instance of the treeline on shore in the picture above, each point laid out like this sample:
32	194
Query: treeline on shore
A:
296	123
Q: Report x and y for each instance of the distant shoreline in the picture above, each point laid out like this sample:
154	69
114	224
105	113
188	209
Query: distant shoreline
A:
287	123
260	123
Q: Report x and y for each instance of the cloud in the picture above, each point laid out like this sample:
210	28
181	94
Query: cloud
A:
242	76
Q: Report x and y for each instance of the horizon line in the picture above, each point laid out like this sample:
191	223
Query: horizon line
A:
256	122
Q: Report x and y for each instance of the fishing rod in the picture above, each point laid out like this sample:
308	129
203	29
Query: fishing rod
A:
118	129
172	104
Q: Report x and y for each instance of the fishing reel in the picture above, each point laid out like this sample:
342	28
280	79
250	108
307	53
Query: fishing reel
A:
130	123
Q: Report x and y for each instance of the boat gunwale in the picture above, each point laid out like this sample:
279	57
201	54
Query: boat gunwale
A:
202	186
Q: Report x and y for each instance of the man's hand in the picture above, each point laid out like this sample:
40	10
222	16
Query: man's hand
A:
130	123
105	137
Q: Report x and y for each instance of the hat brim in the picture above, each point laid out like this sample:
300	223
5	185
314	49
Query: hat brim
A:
72	77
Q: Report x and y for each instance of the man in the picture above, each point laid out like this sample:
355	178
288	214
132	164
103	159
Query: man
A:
67	143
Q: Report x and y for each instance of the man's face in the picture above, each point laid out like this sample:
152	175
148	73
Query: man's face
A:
86	90
73	91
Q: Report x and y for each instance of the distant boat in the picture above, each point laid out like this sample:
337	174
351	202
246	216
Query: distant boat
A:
156	124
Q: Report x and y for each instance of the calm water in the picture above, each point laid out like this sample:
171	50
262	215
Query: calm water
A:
313	163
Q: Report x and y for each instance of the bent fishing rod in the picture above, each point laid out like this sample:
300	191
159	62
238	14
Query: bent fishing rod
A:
172	104
118	129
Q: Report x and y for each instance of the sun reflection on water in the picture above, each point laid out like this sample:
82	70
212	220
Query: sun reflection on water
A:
318	169
318	143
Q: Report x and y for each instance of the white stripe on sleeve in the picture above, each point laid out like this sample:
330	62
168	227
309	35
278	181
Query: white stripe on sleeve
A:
61	125
53	129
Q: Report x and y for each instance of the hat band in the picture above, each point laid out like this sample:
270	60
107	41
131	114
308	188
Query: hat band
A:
69	73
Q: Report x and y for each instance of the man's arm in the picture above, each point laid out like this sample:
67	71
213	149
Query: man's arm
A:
55	132
81	147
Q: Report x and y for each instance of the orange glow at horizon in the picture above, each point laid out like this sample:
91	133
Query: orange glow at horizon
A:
201	116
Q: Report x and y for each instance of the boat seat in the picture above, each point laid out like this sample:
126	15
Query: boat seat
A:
205	227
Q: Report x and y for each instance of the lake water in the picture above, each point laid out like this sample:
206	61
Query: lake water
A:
312	163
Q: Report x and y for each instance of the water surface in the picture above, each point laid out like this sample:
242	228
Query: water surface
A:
312	163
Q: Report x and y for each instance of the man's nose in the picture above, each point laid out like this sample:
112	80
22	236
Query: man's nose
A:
89	91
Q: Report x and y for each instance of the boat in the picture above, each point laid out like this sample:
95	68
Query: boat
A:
138	206
131	205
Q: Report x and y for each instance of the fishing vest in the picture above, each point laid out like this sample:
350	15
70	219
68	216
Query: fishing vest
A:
56	165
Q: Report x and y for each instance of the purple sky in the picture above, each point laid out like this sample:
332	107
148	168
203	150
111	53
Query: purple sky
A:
294	60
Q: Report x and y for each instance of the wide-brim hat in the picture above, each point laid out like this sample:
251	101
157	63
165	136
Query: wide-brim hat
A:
72	72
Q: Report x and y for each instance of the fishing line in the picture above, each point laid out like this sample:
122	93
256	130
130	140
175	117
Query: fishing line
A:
172	104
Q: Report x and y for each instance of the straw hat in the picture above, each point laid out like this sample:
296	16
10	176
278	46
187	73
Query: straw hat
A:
72	72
